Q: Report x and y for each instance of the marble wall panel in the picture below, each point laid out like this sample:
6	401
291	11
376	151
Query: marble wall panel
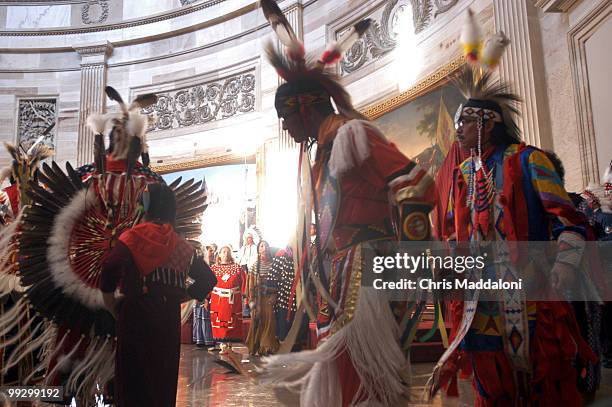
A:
561	94
22	17
142	8
2	18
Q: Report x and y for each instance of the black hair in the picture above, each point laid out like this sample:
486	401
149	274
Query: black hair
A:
162	204
500	135
556	162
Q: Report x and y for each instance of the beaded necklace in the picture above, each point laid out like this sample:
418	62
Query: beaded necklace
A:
480	192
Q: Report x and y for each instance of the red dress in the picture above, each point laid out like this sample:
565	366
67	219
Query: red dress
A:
226	303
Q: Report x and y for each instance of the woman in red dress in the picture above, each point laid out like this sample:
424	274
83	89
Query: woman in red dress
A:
226	300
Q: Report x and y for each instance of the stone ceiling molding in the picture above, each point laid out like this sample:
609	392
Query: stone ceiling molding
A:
116	26
577	38
555	6
104	8
187	2
380	39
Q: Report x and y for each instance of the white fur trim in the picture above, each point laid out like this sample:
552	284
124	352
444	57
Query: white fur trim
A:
57	253
351	146
372	340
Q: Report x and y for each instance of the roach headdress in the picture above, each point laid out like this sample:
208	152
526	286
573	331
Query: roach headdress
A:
487	100
127	138
308	83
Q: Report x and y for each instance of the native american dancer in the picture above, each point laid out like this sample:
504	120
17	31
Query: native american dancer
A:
22	171
588	313
66	232
597	205
361	185
520	352
285	306
226	299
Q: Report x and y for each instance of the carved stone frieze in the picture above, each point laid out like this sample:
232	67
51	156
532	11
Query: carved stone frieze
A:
381	38
187	2
33	118
203	103
101	6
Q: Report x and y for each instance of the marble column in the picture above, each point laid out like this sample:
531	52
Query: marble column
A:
294	14
522	65
93	82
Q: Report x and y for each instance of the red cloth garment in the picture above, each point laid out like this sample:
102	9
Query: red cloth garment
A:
151	244
13	196
443	227
226	302
118	165
370	172
556	341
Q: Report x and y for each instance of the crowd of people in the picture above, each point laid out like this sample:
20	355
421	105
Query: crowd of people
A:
257	286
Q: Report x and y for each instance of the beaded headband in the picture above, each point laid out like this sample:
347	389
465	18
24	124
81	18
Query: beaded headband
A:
291	104
477	113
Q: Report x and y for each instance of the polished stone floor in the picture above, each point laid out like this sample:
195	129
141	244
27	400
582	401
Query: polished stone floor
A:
204	382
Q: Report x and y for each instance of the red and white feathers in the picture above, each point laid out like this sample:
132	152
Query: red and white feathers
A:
336	50
486	53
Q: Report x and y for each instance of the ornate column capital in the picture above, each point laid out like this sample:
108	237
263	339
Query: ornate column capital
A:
94	53
555	6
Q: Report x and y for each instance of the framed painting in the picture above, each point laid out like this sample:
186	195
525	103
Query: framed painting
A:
419	121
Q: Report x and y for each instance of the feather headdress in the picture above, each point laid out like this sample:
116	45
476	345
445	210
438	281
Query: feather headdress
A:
487	98
127	137
486	53
306	75
24	167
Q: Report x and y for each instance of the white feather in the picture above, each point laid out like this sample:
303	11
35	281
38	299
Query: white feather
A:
351	146
494	48
33	146
97	122
136	126
471	32
607	177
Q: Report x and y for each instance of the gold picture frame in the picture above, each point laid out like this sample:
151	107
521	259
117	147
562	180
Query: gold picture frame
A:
424	86
209	161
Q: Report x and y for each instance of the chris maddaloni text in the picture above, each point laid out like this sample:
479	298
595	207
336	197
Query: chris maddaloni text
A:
430	284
